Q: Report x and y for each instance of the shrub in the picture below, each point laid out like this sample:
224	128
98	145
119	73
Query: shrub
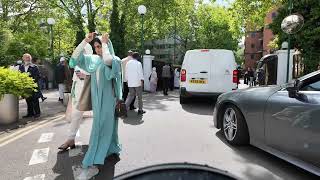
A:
16	83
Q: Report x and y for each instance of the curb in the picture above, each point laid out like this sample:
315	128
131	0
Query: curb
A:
22	132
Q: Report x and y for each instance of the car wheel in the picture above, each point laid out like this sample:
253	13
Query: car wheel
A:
183	100
234	126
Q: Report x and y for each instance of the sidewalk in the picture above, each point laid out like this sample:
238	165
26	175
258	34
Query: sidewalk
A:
49	108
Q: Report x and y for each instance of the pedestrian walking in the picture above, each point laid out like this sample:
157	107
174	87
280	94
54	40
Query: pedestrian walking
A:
36	62
261	76
106	88
251	77
125	81
134	75
171	83
246	78
176	78
44	77
32	101
153	80
61	77
75	116
166	76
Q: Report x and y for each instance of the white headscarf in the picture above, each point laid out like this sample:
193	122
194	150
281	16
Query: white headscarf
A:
154	75
88	49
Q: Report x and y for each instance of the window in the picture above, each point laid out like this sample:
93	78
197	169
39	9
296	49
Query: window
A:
273	15
252	56
253	45
312	87
253	35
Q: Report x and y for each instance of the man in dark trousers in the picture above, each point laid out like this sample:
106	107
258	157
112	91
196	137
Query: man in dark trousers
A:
125	81
61	77
166	76
34	73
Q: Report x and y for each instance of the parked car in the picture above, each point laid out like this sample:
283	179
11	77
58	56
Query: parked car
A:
282	120
207	72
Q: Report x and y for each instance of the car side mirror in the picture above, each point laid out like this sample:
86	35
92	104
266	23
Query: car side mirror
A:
297	84
293	92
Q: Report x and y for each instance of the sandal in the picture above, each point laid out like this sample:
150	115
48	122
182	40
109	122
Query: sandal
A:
65	147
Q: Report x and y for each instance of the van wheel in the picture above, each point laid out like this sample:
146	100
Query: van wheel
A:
234	126
183	100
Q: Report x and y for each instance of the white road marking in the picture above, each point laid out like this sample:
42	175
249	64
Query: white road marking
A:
39	156
37	177
24	131
77	151
78	133
45	137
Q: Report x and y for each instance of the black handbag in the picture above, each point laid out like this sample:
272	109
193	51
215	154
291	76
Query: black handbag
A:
121	109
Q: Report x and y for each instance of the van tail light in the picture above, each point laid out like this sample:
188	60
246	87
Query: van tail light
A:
183	75
235	77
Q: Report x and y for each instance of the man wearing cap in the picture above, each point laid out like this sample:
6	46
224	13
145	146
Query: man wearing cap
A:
61	77
124	62
34	73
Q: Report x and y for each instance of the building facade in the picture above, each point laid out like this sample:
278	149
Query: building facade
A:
253	48
267	33
257	42
164	50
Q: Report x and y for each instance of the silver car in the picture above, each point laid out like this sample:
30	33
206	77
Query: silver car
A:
282	120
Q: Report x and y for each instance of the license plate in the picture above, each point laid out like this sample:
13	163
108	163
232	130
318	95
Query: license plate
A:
196	81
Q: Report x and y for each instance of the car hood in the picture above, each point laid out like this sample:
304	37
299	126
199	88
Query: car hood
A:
261	89
250	93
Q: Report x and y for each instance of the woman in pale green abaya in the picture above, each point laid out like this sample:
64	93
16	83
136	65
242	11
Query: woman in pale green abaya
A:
105	70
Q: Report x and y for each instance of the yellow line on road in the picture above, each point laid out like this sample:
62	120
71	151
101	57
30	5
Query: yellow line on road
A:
20	133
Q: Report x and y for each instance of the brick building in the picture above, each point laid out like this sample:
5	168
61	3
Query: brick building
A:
256	42
253	48
267	33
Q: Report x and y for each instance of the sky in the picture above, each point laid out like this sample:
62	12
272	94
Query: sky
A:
221	2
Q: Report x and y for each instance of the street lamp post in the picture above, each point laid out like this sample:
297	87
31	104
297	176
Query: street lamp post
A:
289	43
142	10
51	22
174	40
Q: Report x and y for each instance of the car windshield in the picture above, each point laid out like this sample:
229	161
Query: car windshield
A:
309	75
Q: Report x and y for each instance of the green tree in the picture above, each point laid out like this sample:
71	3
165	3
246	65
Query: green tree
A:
240	56
250	14
307	40
5	37
115	27
214	31
73	10
26	43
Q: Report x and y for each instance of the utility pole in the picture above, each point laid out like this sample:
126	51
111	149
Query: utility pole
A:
174	39
289	43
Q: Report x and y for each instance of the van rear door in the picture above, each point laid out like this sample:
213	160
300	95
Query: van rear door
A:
198	70
222	71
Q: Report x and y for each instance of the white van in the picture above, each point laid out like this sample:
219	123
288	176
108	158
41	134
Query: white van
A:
207	72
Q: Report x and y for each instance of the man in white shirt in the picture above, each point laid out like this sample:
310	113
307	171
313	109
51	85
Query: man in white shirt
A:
124	62
134	76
